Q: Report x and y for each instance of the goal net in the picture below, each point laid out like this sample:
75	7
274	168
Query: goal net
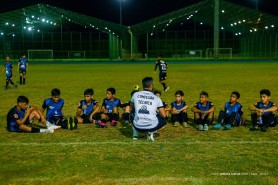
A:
223	53
76	54
194	53
40	54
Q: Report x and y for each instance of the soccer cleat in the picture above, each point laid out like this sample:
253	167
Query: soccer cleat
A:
184	124
217	126
75	121
150	136
253	128
70	121
205	128
176	124
167	88
263	129
200	127
15	85
100	124
49	131
228	127
113	123
51	126
135	137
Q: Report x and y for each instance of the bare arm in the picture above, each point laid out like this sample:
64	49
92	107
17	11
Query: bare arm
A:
27	113
162	112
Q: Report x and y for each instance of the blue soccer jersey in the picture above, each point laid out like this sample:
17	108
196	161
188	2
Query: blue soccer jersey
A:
109	105
199	106
13	115
260	105
178	107
53	109
87	108
237	108
9	69
23	64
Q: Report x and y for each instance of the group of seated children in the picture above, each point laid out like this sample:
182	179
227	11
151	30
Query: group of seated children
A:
23	118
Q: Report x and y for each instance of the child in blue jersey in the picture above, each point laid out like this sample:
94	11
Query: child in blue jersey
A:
22	68
179	108
21	116
110	107
203	112
232	115
88	109
165	105
54	114
8	68
162	65
263	112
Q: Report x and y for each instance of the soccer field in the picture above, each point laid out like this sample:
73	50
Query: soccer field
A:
179	155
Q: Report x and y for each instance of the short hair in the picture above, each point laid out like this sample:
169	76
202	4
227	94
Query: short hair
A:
236	93
159	55
23	54
112	90
265	91
179	92
55	92
147	82
89	91
157	92
22	99
204	93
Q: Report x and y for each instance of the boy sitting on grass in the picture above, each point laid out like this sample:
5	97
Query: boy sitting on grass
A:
203	112
165	105
263	112
232	115
179	107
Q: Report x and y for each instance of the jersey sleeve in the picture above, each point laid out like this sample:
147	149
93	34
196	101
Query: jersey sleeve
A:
44	105
80	105
240	110
156	64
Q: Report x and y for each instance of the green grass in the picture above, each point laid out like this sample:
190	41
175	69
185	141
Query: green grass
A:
90	155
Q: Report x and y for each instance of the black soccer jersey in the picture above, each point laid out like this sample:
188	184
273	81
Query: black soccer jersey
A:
162	65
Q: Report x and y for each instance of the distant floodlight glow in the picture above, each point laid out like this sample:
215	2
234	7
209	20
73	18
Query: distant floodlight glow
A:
196	11
239	22
151	34
29	29
43	20
222	28
33	16
7	23
13	35
167	24
153	26
243	20
47	21
266	27
232	24
38	30
24	27
13	25
272	26
251	31
2	33
223	11
201	23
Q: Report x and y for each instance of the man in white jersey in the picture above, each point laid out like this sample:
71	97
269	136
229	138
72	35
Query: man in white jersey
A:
144	116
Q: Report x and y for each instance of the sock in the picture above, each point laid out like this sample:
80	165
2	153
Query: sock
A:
23	81
126	116
43	130
199	121
11	82
208	121
36	130
20	79
7	83
164	85
135	132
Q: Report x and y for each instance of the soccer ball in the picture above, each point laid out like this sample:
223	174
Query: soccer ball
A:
136	87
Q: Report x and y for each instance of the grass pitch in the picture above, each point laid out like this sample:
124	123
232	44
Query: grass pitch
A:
91	155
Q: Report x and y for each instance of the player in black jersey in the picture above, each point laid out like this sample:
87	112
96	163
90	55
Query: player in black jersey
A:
162	65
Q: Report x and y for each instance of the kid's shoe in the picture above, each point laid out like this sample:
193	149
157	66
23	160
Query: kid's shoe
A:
263	129
167	88
228	127
113	123
51	126
184	124
217	126
15	85
100	124
50	131
75	121
176	124
135	137
200	127
253	128
70	125
150	136
205	128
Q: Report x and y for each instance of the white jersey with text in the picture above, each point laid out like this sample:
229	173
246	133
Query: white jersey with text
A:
146	105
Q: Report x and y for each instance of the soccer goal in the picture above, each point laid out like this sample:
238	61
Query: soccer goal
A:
224	53
40	54
76	54
193	53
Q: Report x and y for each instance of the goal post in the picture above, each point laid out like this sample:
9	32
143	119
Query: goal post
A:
194	53
76	54
40	54
224	53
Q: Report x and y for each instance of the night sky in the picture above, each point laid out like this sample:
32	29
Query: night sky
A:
133	11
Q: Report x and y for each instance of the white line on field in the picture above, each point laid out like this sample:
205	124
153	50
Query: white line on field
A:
135	143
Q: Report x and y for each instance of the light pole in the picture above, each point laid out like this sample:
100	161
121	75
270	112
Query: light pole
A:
121	3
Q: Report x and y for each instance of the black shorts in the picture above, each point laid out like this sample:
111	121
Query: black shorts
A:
162	76
22	71
86	119
8	78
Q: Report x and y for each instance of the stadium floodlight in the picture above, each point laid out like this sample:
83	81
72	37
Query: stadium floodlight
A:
232	24
33	16
251	31
13	35
29	29
201	23
243	20
266	27
239	22
7	23
272	26
223	11
2	33
222	28
13	25
43	20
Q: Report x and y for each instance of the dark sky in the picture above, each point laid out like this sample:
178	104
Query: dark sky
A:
133	11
